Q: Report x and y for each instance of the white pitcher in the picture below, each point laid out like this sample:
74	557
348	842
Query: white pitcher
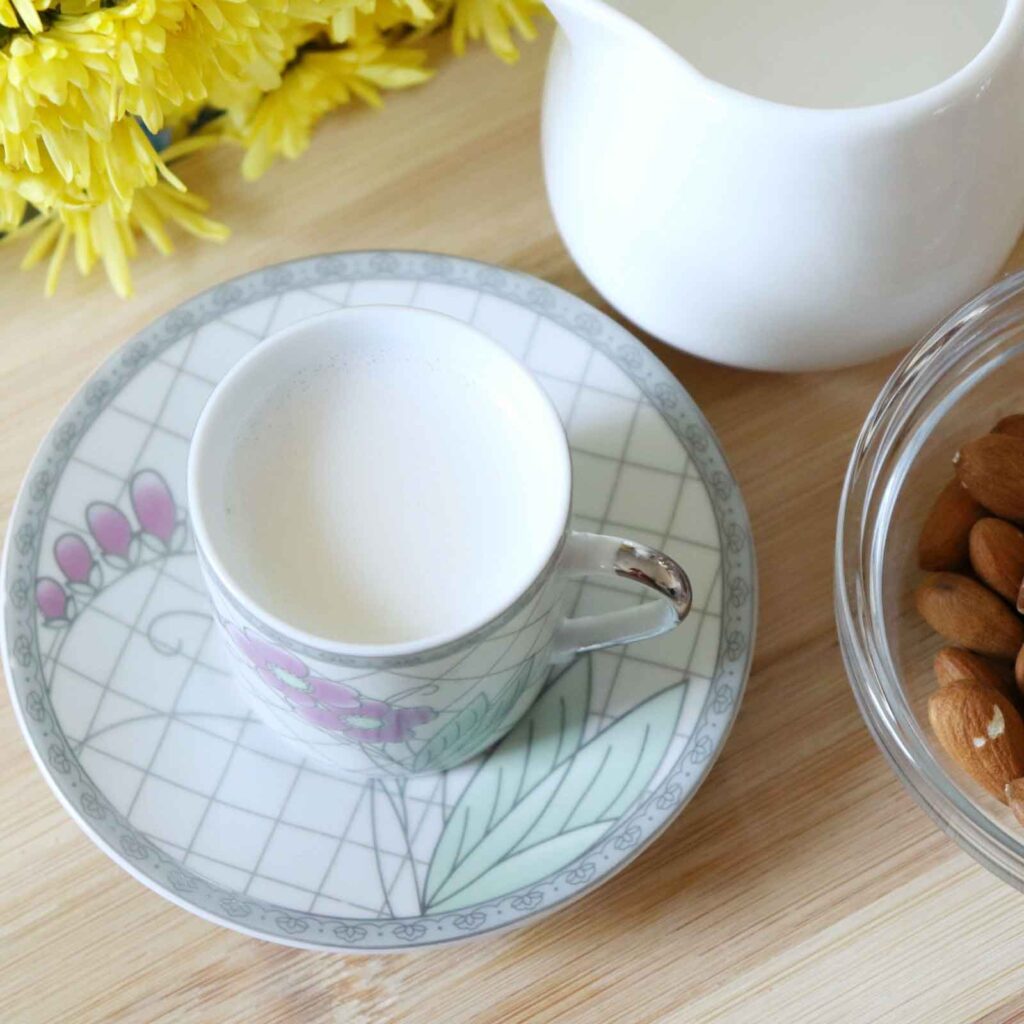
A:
879	185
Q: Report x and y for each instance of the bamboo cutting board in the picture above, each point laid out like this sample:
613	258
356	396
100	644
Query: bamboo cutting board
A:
801	884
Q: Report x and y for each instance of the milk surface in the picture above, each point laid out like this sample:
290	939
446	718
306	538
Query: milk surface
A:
370	500
823	53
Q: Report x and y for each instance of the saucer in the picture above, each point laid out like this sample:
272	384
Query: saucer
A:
122	690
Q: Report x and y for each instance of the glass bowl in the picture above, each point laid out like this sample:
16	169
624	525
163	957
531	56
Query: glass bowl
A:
952	387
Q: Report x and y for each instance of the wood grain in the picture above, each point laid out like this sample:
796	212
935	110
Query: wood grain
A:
802	884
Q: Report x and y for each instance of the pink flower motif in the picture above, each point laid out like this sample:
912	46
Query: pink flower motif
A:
110	528
153	504
73	557
280	670
323	702
376	722
332	694
50	598
328	701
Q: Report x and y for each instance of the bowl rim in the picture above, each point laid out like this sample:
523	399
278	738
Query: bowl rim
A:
869	668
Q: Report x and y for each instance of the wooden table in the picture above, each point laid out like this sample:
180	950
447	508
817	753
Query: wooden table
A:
802	883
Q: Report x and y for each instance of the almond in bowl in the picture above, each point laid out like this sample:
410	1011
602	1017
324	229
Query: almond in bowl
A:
973	549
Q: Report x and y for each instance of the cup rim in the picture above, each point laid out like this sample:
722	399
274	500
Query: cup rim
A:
253	609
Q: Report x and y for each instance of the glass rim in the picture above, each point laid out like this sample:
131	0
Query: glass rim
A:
965	343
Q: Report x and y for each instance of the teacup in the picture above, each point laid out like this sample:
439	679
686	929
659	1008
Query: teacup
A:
380	498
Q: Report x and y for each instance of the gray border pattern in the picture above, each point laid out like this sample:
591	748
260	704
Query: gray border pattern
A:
75	789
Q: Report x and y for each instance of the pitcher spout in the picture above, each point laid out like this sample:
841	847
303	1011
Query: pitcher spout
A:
575	17
600	24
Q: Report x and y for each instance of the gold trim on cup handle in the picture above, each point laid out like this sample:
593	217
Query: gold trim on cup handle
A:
590	554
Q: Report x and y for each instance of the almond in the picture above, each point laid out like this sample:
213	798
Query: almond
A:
969	615
943	543
992	470
1013	425
982	731
997	556
955	665
1014	794
1018	670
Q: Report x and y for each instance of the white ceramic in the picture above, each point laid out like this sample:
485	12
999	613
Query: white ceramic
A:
772	236
121	683
352	703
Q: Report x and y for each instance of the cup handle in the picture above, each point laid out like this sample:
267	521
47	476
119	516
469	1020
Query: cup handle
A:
589	554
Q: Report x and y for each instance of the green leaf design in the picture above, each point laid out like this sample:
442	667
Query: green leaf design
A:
469	729
525	866
541	799
517	763
453	735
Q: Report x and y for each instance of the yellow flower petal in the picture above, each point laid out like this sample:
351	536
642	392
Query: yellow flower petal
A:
29	15
183	210
60	251
492	21
41	245
108	242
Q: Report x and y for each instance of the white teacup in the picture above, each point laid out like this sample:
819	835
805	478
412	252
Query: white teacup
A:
380	498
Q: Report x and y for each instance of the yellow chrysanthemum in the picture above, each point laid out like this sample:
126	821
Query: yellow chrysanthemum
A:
258	40
88	171
353	18
146	58
104	233
79	79
66	96
493	21
320	81
110	61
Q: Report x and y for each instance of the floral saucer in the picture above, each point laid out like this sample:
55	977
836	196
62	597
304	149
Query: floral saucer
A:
121	686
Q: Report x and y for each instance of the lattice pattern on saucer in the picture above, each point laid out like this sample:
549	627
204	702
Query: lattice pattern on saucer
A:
122	684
